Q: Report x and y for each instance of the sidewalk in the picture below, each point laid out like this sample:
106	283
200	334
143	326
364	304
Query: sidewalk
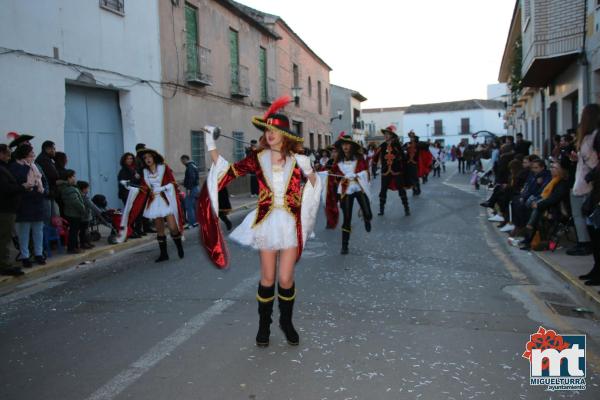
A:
60	261
567	267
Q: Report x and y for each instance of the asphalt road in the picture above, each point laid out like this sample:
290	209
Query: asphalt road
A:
431	306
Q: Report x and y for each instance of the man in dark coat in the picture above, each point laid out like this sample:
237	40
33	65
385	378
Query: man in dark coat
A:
10	195
393	168
522	146
46	161
191	182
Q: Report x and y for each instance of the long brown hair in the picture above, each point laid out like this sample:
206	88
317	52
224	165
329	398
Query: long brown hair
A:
288	146
590	121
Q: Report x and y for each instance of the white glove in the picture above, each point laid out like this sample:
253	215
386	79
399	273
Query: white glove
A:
159	189
125	184
304	164
351	175
208	138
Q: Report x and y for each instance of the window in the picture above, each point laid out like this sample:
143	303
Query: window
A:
198	150
465	126
297	128
438	127
319	141
326	96
296	77
319	97
309	87
311	135
262	60
234	60
117	6
191	38
238	146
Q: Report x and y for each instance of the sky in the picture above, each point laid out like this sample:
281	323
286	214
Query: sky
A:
403	52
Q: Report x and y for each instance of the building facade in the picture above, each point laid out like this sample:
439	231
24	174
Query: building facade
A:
221	64
551	67
453	122
86	75
378	118
347	114
228	63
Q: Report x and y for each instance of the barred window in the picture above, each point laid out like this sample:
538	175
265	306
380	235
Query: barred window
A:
117	6
198	150
238	146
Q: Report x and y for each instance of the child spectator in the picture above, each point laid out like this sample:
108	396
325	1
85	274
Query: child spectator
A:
73	208
90	211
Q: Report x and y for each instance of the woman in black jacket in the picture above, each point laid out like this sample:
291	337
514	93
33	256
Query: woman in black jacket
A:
129	176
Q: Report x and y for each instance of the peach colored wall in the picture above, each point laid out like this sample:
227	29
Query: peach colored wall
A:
291	51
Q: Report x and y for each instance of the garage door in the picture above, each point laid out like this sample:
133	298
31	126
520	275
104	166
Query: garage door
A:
94	138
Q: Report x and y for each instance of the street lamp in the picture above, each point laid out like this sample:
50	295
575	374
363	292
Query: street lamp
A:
339	116
296	92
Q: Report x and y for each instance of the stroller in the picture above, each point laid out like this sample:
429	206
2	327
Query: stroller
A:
101	214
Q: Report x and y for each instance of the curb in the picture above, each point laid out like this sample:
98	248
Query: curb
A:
93	254
587	291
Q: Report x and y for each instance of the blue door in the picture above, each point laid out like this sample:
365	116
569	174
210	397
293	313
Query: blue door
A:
94	138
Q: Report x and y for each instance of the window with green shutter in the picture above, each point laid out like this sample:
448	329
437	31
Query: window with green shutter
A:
234	60
262	60
198	150
239	152
191	28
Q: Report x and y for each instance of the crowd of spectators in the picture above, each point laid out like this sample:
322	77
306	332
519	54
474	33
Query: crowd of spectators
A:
539	201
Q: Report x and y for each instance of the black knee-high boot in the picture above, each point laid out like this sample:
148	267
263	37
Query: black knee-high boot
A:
381	207
177	240
162	244
286	307
405	204
266	298
345	240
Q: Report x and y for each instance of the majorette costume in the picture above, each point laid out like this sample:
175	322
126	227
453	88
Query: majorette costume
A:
354	185
284	217
156	197
418	163
393	170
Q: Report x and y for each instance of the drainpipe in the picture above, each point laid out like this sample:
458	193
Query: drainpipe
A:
583	61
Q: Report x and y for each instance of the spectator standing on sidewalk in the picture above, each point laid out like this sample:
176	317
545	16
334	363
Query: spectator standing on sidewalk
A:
30	212
191	183
586	159
460	151
10	196
60	163
46	162
253	180
592	278
522	146
73	209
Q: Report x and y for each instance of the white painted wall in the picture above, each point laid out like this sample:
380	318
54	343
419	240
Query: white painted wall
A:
497	91
33	90
479	120
384	119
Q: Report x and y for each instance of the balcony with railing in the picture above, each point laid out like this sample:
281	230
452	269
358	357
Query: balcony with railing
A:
199	68
240	82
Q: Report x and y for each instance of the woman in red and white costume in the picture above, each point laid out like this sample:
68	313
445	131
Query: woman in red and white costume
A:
157	199
288	201
351	174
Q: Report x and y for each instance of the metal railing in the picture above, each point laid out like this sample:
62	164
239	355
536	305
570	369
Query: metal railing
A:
201	71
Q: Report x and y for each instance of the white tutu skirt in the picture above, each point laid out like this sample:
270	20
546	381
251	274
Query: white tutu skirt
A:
157	209
276	232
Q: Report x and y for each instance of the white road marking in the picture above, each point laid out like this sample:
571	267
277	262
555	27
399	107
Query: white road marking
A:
165	347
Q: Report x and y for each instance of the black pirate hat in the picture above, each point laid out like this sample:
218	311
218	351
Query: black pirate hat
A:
158	158
274	121
17	139
345	138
